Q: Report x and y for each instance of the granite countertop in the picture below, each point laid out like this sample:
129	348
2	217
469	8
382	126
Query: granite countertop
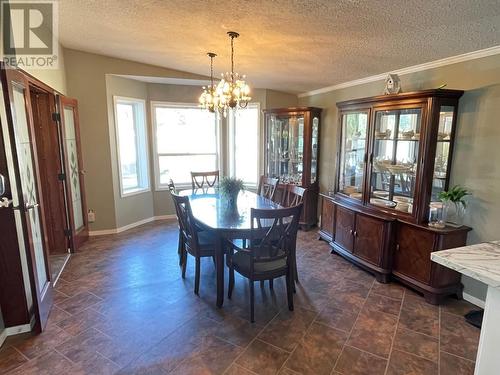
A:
481	261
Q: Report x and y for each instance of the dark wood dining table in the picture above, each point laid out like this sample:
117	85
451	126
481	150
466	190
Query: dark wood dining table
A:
213	212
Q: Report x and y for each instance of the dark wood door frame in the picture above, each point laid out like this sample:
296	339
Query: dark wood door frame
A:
77	237
42	294
50	161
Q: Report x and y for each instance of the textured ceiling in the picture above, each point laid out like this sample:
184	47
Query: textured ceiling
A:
288	45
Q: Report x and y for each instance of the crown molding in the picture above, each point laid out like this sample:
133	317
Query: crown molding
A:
411	69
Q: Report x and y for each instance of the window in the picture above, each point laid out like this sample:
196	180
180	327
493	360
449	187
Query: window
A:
186	140
131	139
244	144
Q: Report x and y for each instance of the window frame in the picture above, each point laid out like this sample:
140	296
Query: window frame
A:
231	144
183	185
142	175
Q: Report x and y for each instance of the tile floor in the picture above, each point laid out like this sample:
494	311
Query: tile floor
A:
121	307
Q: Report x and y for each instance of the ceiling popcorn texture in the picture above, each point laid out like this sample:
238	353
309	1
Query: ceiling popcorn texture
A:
288	45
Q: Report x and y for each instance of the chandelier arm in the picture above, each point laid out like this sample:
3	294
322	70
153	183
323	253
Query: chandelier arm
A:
232	59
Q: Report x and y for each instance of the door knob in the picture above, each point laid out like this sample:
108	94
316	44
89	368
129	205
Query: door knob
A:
26	207
5	202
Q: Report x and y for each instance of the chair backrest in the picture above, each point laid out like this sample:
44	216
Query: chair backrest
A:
267	187
186	222
171	187
293	195
201	180
273	233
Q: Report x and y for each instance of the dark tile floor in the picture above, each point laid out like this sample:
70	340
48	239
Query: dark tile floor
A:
122	308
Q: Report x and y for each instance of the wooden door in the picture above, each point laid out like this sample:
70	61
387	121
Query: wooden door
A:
74	172
50	166
344	228
369	238
412	256
26	198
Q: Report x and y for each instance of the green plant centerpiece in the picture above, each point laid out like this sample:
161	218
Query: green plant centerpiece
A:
455	203
230	187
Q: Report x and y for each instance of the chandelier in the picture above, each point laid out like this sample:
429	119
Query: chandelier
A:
231	92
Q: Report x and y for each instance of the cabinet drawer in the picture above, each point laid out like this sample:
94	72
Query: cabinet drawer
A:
369	238
344	228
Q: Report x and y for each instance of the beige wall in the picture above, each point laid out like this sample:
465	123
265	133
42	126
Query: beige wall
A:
476	161
136	207
86	81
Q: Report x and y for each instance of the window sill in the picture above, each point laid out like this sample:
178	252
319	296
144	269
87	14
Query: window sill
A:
130	193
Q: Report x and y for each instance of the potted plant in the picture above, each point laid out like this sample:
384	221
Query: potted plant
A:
455	203
230	187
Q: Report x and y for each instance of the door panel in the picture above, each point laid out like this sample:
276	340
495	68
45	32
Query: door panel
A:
327	212
413	252
27	202
75	186
344	228
368	238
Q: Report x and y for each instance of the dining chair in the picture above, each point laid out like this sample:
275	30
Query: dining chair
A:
197	243
293	195
171	186
267	187
172	189
200	180
268	254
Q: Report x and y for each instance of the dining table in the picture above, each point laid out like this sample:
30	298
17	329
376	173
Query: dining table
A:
214	212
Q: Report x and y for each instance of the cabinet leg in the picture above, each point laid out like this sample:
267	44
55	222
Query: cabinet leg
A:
460	292
432	298
383	278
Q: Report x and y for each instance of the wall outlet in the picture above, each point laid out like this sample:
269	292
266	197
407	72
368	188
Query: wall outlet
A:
91	216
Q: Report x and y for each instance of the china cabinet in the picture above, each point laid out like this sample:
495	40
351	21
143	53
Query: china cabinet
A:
394	157
292	153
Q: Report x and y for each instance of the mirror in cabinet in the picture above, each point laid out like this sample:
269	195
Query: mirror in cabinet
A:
285	148
354	133
395	151
443	141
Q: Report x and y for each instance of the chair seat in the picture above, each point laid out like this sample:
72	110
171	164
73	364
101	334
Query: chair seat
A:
241	262
206	238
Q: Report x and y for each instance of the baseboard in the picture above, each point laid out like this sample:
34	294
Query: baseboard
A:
130	226
474	300
3	336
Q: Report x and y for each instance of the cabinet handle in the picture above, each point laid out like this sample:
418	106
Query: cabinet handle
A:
397	247
350	232
355	233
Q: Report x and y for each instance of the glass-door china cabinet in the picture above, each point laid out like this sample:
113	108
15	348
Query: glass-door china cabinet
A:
292	153
394	158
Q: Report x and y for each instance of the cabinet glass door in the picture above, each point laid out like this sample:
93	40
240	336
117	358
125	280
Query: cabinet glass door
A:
285	145
353	154
314	149
395	154
442	162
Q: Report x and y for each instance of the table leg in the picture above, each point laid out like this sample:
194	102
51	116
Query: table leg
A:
219	265
488	360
